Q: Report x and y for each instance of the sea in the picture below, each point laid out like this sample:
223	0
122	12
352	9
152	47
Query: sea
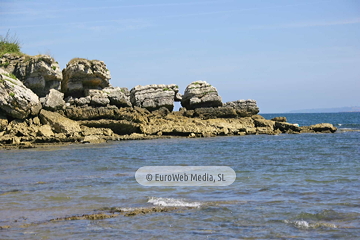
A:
288	186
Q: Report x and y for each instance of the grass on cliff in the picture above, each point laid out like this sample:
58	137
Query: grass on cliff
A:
9	44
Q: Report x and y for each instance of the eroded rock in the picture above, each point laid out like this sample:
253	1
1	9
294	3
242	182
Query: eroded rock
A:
16	100
59	123
54	100
39	73
244	108
200	94
153	97
81	74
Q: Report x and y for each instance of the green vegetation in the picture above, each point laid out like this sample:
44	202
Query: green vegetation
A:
5	64
9	44
53	67
10	75
166	89
197	83
12	94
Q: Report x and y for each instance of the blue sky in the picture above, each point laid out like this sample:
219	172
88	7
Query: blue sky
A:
286	55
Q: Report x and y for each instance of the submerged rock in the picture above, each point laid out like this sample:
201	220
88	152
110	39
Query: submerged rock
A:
200	94
153	97
39	73
16	100
81	74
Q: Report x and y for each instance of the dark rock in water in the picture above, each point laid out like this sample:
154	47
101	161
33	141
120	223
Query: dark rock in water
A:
285	127
54	100
279	119
81	74
320	128
153	97
16	100
39	73
244	108
200	94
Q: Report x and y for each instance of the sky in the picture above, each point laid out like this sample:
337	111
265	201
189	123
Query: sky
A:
285	54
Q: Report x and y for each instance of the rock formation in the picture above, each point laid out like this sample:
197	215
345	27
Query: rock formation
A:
153	97
81	74
16	100
244	108
200	94
39	73
54	100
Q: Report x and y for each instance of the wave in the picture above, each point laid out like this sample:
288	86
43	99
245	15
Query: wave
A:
302	224
172	202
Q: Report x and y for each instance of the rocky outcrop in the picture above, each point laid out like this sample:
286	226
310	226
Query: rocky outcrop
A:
39	73
16	100
244	108
54	100
58	123
119	97
81	74
318	128
279	119
153	97
200	94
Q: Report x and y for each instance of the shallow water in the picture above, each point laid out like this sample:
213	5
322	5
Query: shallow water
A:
303	186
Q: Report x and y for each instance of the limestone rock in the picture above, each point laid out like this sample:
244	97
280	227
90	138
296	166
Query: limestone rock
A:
153	97
244	108
3	122
98	97
319	128
59	123
81	74
39	73
45	131
220	112
119	97
285	127
93	139
16	100
54	100
121	127
200	94
83	101
279	119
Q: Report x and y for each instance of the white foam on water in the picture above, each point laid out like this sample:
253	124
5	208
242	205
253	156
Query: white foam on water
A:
172	202
306	225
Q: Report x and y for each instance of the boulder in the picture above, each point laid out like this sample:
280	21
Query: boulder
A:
39	73
119	97
16	100
200	94
54	100
286	127
153	97
45	131
81	74
244	108
98	97
279	119
59	123
323	127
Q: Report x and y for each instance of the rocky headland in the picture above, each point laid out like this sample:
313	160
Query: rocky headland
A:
42	105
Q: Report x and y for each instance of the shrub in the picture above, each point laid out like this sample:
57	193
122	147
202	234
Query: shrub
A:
9	44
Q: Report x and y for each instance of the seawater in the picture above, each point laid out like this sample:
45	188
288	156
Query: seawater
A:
303	186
